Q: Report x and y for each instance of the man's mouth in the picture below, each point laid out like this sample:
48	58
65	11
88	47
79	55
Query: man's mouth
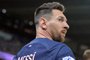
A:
64	32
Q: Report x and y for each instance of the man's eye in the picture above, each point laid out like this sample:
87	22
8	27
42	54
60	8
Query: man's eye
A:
61	20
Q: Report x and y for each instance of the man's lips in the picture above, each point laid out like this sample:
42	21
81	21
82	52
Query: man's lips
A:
64	31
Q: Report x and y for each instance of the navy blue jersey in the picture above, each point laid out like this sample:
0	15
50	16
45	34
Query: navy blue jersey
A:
45	49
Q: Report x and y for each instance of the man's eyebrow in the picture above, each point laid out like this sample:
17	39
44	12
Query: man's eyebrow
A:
61	17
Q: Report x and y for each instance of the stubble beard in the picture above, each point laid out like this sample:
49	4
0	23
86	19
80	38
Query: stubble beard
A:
58	38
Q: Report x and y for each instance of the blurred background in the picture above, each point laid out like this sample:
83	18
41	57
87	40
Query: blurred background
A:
17	26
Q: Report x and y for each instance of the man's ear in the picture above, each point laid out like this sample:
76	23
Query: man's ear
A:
42	23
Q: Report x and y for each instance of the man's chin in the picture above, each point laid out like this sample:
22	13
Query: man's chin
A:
60	39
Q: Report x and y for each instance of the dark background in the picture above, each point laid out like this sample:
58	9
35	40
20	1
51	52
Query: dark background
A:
16	19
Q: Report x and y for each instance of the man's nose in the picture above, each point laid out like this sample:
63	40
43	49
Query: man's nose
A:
66	26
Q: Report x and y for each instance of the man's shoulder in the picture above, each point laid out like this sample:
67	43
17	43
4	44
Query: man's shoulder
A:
65	53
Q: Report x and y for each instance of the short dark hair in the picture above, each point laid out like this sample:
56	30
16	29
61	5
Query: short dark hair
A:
46	9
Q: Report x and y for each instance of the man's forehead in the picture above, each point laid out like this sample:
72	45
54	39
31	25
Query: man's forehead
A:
56	12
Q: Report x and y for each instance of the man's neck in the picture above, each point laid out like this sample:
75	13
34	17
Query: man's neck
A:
43	34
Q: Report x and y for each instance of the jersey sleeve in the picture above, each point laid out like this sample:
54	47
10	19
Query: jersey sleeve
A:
65	53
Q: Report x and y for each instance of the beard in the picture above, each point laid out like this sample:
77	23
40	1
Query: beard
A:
55	33
58	38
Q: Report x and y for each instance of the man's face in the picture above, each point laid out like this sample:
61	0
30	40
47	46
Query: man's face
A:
57	26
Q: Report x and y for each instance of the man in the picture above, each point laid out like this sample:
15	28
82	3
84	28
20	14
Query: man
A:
51	28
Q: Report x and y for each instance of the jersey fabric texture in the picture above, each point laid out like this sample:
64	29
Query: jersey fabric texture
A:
45	49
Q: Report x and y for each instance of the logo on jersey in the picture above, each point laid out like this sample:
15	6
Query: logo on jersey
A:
28	57
68	58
